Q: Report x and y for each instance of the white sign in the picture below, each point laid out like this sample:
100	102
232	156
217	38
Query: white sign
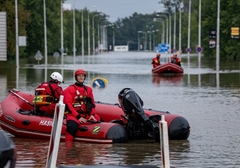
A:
22	40
3	36
121	48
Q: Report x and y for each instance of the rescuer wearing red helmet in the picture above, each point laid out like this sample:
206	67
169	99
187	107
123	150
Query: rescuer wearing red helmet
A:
156	60
47	94
175	59
80	105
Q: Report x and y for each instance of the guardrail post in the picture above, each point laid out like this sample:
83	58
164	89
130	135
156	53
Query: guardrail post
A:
164	143
55	134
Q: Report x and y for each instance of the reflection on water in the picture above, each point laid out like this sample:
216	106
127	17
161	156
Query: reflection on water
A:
166	79
31	152
207	98
143	152
135	152
87	153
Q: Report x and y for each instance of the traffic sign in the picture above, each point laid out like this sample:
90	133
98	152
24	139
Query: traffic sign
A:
212	33
188	49
199	49
99	82
38	56
235	32
56	55
163	48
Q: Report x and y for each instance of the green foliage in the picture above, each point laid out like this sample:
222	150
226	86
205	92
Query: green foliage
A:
31	24
228	18
23	20
128	28
35	30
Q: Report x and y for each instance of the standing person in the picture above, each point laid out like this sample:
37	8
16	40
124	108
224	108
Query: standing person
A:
80	105
175	60
156	60
47	94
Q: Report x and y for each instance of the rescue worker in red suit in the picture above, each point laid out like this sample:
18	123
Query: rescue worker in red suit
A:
156	60
47	94
80	105
175	60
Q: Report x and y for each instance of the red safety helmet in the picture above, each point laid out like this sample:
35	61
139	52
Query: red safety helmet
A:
80	71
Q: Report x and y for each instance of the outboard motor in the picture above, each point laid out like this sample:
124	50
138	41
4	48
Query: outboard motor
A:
139	125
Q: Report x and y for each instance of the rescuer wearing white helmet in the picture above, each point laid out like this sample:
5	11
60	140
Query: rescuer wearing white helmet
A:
47	94
56	77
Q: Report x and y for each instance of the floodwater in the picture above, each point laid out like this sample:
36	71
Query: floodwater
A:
207	98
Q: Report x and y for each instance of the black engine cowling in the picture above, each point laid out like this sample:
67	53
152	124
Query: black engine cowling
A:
139	125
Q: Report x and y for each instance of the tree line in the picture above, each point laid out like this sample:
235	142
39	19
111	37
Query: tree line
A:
125	31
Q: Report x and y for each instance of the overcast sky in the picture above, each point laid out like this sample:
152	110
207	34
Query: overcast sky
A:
118	8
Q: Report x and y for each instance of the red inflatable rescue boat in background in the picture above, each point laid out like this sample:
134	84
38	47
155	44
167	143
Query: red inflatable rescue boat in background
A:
167	68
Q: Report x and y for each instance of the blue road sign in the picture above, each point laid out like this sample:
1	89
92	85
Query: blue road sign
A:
163	48
199	49
188	49
99	82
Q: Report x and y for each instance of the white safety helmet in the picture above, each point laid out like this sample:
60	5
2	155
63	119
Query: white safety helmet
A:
57	76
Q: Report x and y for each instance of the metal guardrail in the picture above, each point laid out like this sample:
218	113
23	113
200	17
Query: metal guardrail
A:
56	135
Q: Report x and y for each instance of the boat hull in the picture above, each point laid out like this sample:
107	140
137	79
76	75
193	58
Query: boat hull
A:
168	68
16	117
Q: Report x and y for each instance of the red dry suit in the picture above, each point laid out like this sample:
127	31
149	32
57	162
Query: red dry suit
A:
47	94
176	60
79	102
155	62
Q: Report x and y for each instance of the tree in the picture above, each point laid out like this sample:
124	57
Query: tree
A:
35	30
23	20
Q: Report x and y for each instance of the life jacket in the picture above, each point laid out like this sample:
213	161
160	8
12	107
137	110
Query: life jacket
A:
155	62
82	103
176	61
44	95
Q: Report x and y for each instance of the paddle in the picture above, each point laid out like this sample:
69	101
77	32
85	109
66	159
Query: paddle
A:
21	97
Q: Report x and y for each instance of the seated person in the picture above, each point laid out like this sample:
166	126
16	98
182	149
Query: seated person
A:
156	60
175	60
47	94
80	102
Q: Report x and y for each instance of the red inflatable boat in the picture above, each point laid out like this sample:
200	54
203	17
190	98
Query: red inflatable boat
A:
119	124
167	68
